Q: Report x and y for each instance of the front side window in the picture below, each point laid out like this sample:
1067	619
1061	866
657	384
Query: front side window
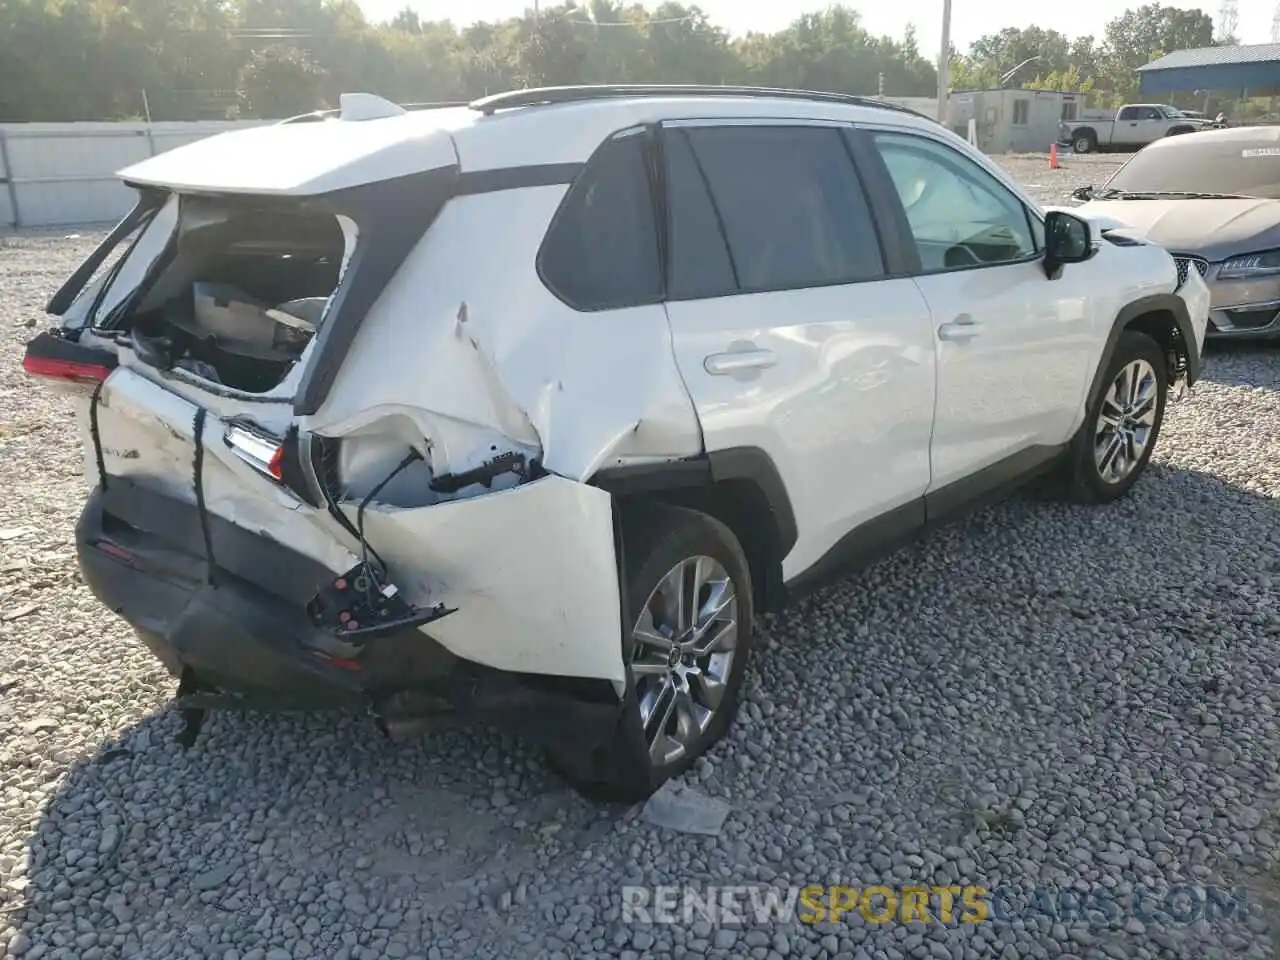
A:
601	252
787	200
959	215
1129	113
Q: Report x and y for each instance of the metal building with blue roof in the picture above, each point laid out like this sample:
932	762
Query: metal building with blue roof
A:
1255	67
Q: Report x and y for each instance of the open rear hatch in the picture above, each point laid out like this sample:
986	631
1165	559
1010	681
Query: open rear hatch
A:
199	356
188	352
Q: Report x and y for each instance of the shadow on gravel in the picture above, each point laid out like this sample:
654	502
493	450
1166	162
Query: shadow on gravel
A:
318	808
1151	625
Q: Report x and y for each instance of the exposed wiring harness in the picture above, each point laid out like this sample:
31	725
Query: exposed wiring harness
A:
369	574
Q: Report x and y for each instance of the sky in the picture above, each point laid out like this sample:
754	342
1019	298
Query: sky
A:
970	19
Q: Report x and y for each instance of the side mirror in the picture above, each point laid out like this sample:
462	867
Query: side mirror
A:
1082	193
1067	239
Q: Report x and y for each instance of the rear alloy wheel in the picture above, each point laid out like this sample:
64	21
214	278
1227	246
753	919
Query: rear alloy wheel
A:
689	602
685	644
1120	429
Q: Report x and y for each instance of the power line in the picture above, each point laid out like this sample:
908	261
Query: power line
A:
624	23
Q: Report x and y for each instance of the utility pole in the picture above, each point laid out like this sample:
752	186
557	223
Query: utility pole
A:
944	62
1228	22
1275	26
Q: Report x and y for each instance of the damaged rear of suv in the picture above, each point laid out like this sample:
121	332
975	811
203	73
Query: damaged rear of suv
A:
329	471
520	411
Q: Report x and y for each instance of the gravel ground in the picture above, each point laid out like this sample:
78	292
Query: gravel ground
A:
1041	695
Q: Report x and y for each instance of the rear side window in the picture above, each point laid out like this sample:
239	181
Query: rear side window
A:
699	263
788	201
601	252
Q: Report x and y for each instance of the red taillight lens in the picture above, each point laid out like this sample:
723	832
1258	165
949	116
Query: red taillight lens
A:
260	450
66	370
116	551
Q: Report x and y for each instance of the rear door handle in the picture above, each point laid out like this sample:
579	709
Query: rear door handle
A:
727	364
963	327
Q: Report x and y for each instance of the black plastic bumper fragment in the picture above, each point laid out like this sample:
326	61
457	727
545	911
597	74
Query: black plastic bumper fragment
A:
248	642
357	607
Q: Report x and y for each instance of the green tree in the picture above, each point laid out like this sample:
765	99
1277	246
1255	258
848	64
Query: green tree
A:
93	59
1000	53
1141	35
281	81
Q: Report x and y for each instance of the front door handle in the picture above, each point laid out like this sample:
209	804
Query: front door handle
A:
727	364
963	327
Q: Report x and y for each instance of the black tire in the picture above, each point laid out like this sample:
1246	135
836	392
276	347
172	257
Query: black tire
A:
1084	480
1084	141
656	539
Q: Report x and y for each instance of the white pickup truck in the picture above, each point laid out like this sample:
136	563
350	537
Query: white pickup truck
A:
1135	126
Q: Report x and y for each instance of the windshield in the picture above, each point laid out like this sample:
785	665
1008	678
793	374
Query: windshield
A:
1203	162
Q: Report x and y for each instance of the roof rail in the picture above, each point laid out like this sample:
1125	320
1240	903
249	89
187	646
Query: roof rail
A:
436	104
540	96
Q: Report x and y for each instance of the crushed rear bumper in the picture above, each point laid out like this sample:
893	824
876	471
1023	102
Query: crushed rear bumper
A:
239	634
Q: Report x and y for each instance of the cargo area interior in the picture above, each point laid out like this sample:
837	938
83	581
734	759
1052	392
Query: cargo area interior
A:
238	293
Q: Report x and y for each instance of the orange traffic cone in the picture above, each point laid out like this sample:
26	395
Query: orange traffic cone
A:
1053	157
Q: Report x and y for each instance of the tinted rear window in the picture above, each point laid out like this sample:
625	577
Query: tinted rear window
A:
602	250
699	261
791	205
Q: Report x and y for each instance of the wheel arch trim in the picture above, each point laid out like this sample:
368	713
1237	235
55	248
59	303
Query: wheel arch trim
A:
1152	305
750	464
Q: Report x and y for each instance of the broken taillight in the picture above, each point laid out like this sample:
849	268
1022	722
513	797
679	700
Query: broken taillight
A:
116	551
68	371
261	451
51	355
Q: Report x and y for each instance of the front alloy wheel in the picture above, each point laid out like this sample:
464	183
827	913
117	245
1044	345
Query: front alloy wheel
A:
1126	421
685	642
1114	444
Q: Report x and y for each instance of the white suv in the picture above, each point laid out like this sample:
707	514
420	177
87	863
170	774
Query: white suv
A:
522	410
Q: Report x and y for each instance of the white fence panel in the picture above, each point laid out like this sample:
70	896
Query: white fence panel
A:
55	174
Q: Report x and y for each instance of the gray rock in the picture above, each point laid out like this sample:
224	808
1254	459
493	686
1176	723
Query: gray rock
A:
685	810
213	878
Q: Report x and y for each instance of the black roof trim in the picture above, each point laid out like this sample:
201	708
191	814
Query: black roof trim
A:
542	96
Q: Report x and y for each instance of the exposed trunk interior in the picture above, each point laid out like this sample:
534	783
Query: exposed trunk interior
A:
237	295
